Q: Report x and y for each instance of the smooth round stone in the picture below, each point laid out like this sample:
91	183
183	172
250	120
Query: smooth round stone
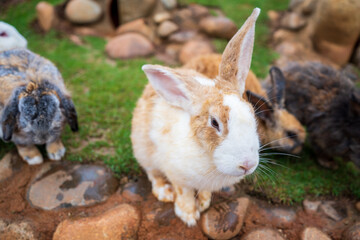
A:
224	220
262	234
220	27
63	185
166	28
121	222
169	4
129	45
83	11
45	14
280	217
161	17
194	48
312	233
10	164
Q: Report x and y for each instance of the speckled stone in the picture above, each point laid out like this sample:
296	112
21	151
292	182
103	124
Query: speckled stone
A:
63	185
9	165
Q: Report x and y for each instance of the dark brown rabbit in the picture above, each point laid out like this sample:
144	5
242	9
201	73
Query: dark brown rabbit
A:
327	102
34	105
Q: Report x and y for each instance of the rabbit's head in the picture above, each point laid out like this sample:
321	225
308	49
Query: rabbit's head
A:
278	127
220	120
10	38
39	111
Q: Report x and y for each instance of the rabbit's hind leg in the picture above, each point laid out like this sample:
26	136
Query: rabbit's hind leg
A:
30	154
55	150
161	188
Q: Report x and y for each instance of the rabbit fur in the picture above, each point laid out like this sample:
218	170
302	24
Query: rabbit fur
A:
327	102
276	126
10	38
34	105
191	133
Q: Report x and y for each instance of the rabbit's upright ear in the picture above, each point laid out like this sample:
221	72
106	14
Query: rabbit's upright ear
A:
236	59
168	84
277	91
262	107
70	113
8	119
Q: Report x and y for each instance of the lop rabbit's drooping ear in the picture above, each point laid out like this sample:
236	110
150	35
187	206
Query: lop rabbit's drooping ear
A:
70	113
236	59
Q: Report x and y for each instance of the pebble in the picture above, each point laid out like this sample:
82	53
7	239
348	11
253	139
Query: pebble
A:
169	4
262	234
224	220
182	37
311	206
220	27
312	233
166	28
64	184
121	222
83	11
293	21
129	45
161	17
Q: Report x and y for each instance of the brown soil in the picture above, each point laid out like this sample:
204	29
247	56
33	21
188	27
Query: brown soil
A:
158	219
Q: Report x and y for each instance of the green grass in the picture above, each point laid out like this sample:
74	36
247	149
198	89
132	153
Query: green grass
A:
105	94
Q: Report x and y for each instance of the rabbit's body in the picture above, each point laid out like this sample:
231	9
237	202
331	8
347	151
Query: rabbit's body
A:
195	134
276	125
328	104
34	104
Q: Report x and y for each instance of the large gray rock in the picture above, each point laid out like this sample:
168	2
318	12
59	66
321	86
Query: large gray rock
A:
224	220
63	185
121	222
83	11
129	45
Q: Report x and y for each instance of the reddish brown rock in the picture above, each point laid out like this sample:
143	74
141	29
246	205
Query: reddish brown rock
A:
129	45
263	233
137	26
352	233
83	11
220	27
195	48
224	220
18	231
45	15
166	28
337	28
121	222
312	233
10	164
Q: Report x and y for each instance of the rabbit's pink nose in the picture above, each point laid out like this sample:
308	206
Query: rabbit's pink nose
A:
247	165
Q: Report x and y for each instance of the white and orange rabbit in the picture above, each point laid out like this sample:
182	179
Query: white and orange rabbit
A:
191	133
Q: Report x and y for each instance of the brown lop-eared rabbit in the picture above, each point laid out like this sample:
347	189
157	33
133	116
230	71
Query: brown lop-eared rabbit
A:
193	134
277	127
34	105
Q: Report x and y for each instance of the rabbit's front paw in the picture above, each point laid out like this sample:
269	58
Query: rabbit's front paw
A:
203	200
34	160
164	193
188	216
30	154
55	150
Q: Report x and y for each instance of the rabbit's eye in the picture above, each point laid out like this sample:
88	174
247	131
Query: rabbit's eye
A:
291	134
215	124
